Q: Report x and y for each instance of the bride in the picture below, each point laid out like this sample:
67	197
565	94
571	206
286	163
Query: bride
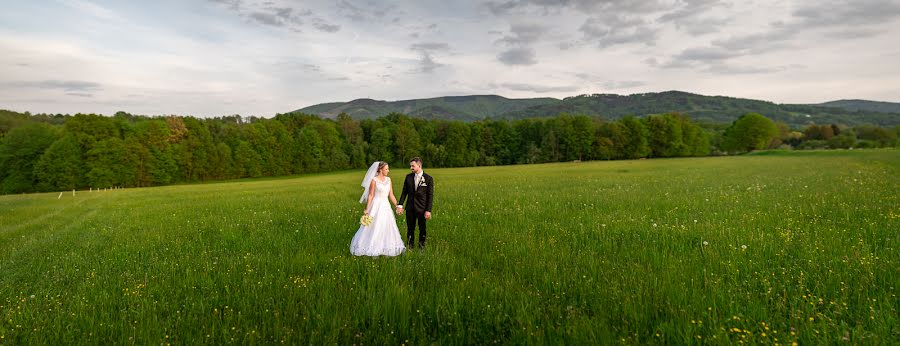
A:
381	236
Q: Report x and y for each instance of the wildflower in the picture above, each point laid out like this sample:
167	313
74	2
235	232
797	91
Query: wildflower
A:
705	243
743	247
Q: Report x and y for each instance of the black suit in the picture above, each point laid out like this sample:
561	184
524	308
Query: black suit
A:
420	198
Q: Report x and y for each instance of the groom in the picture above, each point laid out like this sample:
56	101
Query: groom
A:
420	189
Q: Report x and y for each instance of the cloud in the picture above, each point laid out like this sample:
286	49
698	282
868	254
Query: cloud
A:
430	46
847	13
538	88
266	18
80	94
618	30
625	84
722	68
583	6
68	85
326	27
286	17
689	18
523	34
518	56
427	63
369	12
852	34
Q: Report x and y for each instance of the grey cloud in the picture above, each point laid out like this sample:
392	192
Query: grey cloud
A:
427	63
689	9
326	27
851	34
757	42
283	12
847	13
689	17
430	46
233	4
289	18
706	54
499	8
538	88
518	56
844	19
698	56
266	18
618	31
586	6
80	94
69	86
702	26
371	11
523	34
722	68
623	84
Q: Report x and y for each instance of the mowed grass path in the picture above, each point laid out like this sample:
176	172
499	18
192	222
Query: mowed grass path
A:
791	247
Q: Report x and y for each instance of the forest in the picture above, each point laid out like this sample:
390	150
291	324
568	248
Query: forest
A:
63	152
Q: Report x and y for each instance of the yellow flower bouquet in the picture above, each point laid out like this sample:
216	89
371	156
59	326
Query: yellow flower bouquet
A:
365	220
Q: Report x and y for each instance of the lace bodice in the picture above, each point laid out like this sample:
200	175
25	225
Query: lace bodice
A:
382	189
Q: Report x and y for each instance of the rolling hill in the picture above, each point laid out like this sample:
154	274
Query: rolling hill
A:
717	109
864	105
468	108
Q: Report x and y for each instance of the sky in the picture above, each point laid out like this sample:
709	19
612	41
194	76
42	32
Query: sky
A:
222	57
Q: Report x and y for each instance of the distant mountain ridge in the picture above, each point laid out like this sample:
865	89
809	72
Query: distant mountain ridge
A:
864	105
718	109
467	108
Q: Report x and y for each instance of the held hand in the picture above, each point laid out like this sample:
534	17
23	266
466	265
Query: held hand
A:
427	215
399	211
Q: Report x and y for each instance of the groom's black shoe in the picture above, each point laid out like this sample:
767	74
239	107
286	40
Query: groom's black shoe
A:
410	243
422	245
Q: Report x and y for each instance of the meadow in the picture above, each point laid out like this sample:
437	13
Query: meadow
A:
777	248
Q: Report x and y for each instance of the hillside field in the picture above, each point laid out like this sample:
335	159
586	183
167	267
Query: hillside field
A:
778	247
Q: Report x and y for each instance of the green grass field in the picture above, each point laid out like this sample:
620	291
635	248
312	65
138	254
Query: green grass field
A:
780	248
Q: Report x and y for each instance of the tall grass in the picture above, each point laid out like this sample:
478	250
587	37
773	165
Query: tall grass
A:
792	247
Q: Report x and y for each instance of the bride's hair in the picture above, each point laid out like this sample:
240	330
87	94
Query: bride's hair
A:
381	165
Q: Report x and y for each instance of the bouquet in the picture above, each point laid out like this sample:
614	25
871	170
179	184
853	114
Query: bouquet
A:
365	220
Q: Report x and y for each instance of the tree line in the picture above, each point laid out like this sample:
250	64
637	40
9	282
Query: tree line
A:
62	152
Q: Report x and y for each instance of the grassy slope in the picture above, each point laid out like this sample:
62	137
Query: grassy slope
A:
578	253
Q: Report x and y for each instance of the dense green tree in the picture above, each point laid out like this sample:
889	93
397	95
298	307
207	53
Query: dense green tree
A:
105	165
20	149
665	135
311	149
381	145
457	144
750	132
60	167
44	152
246	161
635	138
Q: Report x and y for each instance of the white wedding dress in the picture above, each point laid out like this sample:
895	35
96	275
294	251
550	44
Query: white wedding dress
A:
381	237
